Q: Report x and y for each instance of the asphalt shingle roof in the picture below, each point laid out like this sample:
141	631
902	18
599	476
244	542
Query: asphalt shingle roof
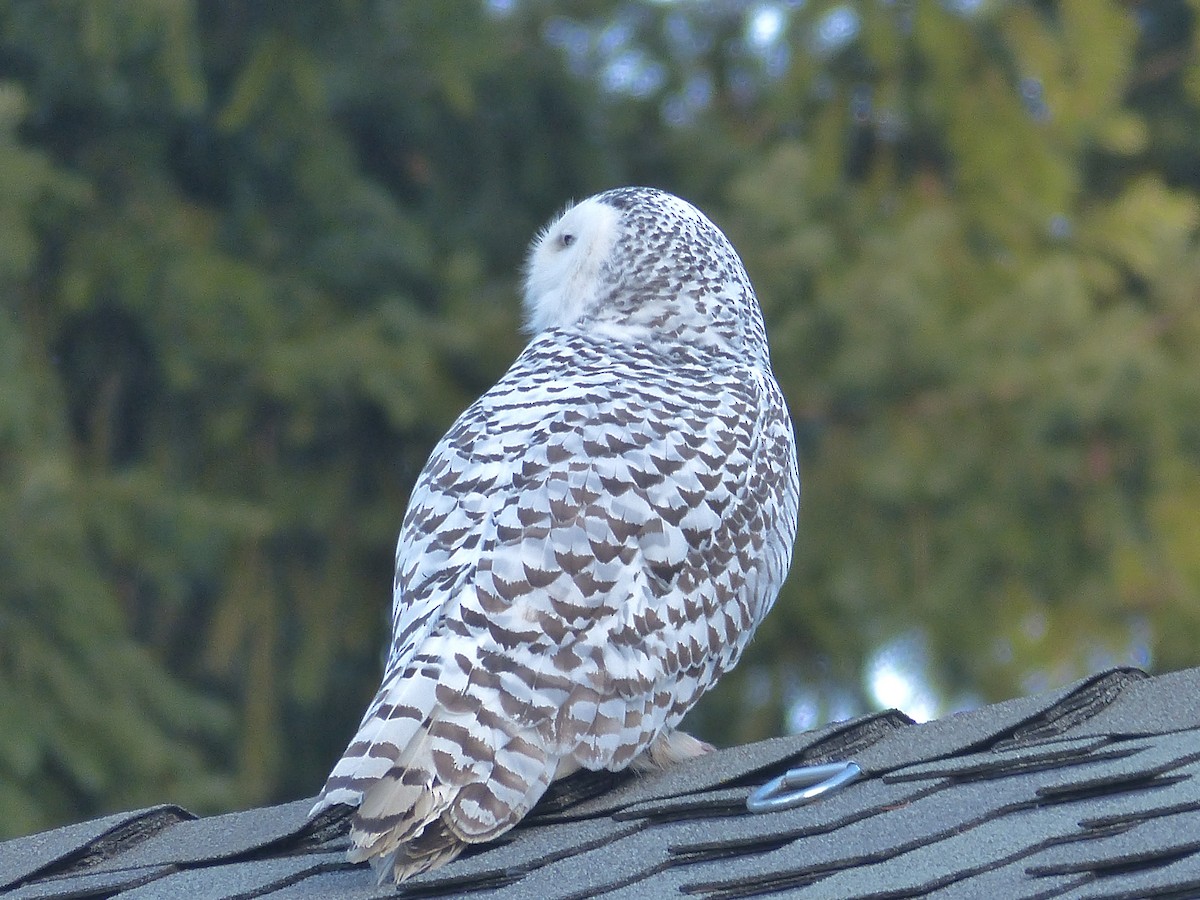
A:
1090	791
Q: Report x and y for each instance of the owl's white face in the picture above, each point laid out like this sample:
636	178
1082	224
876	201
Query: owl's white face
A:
563	268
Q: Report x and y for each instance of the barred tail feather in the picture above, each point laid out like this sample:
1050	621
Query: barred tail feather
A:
386	732
459	778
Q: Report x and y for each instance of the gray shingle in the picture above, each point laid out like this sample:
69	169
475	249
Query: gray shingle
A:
1177	791
1166	703
976	730
584	875
216	837
251	878
529	848
936	864
992	763
1089	791
91	884
348	883
736	763
1143	761
1008	882
1177	880
925	823
1162	838
731	836
51	851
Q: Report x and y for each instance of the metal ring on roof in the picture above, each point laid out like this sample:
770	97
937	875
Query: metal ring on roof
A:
781	792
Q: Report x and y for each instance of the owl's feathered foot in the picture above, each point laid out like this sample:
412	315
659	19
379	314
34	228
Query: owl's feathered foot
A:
669	749
434	848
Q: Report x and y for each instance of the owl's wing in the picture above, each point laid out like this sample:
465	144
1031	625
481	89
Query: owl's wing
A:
580	561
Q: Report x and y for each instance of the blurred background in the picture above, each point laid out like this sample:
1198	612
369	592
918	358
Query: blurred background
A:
256	256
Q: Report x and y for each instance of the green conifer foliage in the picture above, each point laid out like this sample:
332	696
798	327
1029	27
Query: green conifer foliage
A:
256	258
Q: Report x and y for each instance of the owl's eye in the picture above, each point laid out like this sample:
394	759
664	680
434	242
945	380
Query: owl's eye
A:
566	239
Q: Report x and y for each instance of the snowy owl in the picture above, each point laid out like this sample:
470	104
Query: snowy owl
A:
589	548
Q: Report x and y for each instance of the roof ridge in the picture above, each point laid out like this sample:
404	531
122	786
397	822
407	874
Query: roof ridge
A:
96	843
852	736
1091	787
1090	697
122	838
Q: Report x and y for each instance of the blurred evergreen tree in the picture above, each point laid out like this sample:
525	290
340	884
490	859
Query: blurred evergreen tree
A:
261	256
258	256
980	272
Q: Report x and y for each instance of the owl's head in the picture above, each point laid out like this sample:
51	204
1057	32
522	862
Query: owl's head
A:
565	262
641	259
